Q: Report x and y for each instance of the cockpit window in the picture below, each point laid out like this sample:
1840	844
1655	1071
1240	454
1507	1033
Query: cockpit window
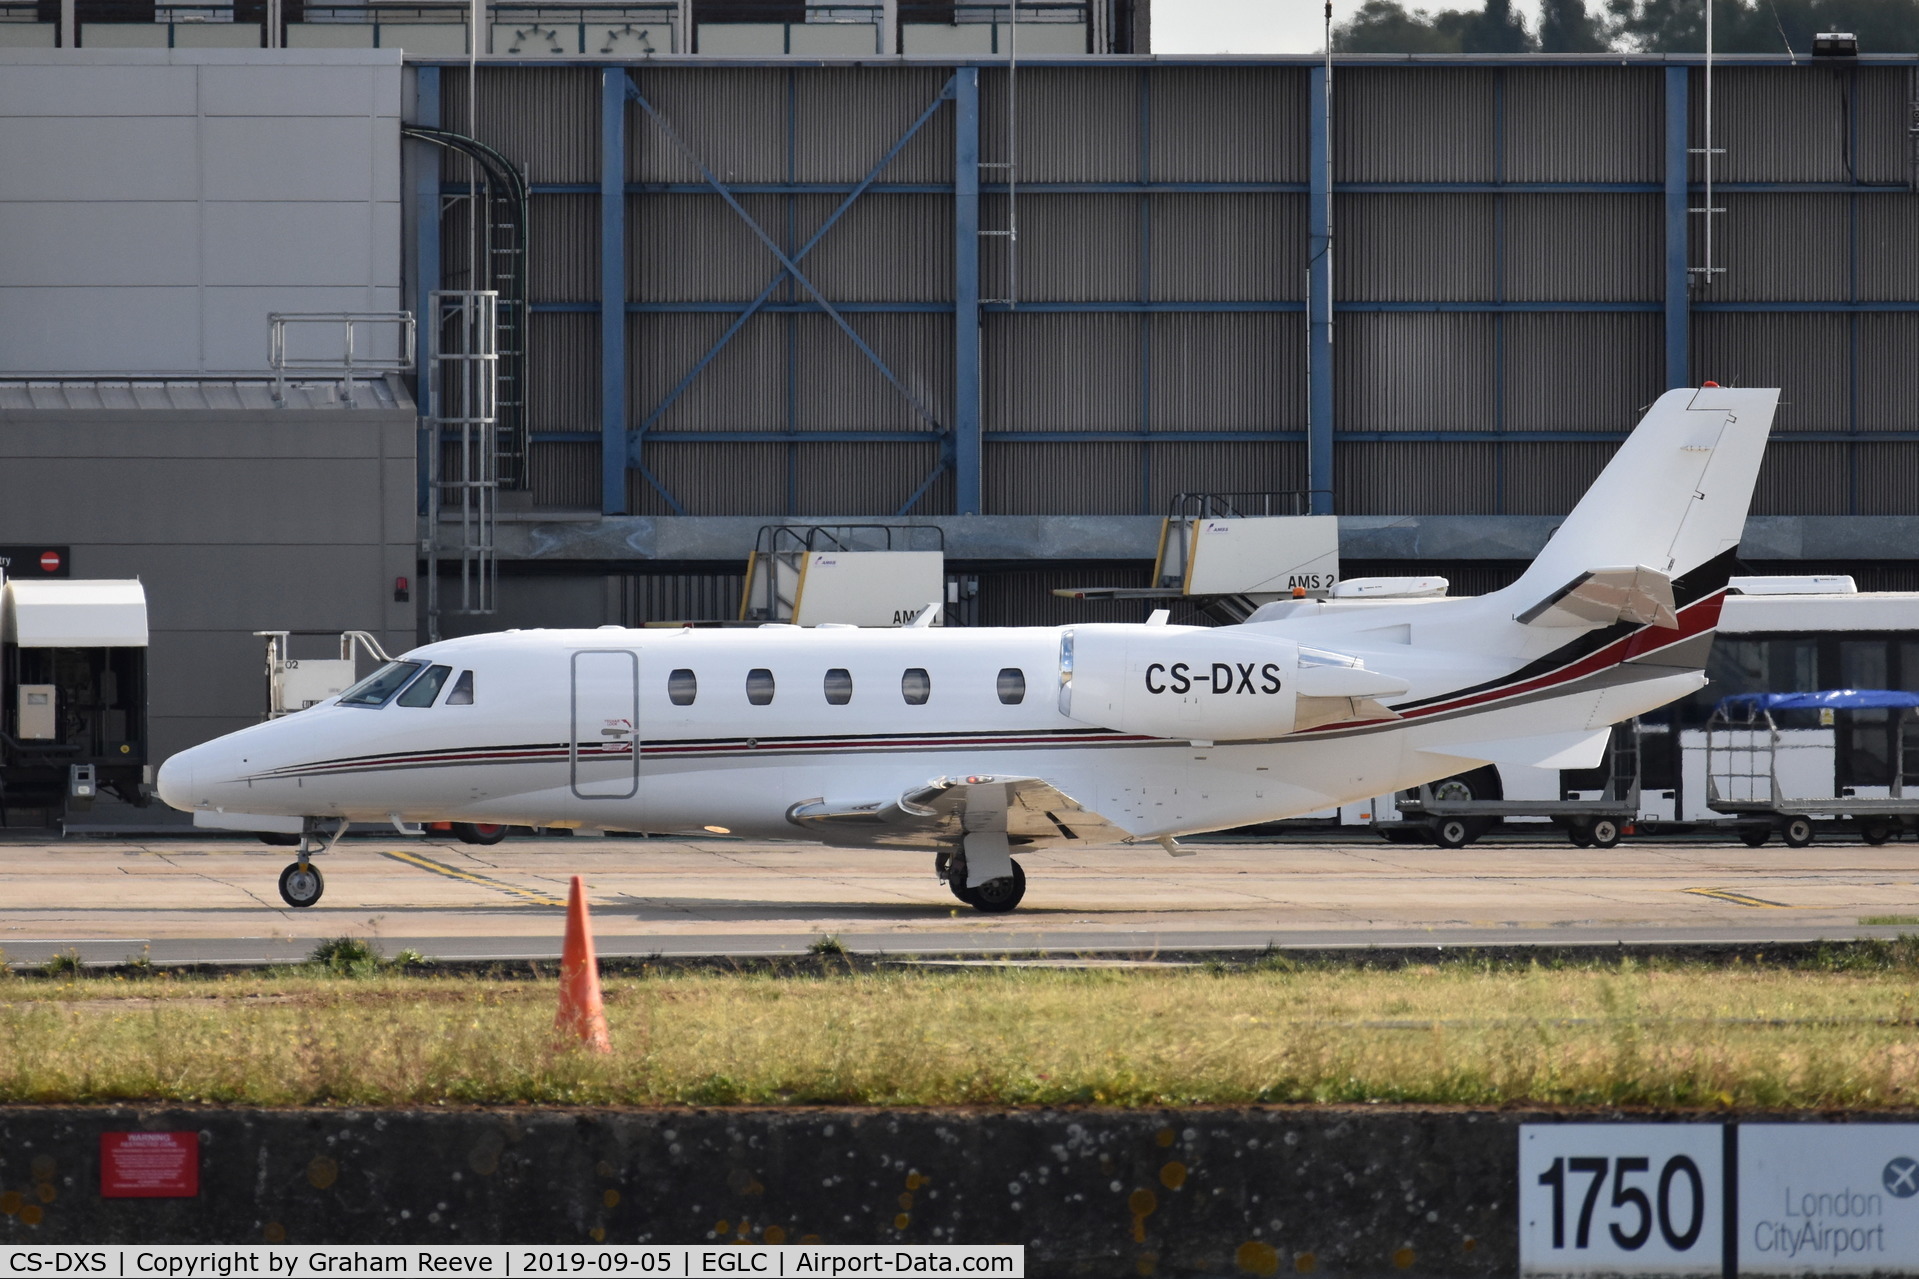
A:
426	689
377	688
462	694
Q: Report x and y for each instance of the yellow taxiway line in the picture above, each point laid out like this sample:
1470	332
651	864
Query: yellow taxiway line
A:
484	881
1737	899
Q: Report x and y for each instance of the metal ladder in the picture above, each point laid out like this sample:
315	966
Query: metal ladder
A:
506	233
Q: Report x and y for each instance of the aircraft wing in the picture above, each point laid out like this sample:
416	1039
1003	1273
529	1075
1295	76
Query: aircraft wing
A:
1028	809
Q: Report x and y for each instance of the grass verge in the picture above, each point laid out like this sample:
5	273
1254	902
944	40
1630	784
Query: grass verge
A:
1840	1033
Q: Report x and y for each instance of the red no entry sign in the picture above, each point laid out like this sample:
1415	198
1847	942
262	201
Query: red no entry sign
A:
49	561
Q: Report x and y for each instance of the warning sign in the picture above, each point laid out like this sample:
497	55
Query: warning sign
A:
149	1165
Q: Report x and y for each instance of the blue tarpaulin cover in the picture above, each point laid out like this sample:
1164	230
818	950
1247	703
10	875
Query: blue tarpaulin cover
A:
1843	699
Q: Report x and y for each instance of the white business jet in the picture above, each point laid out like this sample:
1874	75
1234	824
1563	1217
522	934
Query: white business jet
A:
978	744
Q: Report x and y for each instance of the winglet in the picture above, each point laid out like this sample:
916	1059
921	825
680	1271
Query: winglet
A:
924	618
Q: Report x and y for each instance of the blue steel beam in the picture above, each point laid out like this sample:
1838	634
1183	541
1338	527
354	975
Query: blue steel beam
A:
1831	307
1191	437
1319	293
1222	188
613	459
760	303
1678	201
426	258
967	461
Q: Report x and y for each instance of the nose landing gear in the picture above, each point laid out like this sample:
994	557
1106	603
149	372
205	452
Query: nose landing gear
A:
301	883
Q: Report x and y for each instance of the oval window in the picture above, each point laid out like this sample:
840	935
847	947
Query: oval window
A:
839	686
682	686
916	686
759	686
1012	685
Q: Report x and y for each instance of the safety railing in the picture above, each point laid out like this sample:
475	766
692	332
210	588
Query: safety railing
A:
356	358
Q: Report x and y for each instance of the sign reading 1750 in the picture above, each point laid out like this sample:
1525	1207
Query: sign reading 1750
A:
1621	1198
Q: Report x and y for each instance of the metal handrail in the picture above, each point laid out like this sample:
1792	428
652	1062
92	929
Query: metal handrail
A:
350	363
1205	506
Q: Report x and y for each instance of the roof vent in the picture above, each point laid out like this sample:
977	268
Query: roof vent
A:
1835	44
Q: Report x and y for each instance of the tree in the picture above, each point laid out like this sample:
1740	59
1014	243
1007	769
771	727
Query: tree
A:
1566	27
1385	26
1765	26
1496	29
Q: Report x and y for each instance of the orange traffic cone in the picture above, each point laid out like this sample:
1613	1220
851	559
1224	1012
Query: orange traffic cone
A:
582	1014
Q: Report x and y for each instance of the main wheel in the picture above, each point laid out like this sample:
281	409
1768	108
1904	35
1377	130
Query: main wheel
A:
997	896
479	832
1453	832
1797	832
1605	832
1755	836
1875	830
301	884
956	877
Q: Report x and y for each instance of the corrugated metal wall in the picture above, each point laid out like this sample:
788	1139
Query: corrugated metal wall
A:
1482	308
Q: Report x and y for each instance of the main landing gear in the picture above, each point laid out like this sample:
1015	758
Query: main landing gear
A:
301	883
994	897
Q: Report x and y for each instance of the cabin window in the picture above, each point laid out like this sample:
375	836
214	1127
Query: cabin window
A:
682	686
759	686
1012	685
839	686
916	686
462	694
376	688
425	690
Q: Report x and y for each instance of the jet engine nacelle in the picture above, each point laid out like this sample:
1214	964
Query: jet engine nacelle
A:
1201	684
1179	681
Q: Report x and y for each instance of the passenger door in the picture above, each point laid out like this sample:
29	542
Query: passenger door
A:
604	750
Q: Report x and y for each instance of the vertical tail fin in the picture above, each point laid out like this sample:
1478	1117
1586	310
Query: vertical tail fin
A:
1673	498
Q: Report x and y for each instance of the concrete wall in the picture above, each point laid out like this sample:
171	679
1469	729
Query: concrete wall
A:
159	203
236	521
1378	1191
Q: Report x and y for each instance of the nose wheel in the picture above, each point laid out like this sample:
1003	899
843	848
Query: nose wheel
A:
301	884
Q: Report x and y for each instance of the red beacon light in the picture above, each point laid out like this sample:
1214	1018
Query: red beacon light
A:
1704	385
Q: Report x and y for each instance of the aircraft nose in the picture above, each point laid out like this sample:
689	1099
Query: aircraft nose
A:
175	781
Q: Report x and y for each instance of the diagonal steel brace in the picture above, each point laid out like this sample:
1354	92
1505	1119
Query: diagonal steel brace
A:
789	265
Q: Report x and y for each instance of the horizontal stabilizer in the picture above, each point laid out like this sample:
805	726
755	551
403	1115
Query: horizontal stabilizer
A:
1579	748
1602	596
